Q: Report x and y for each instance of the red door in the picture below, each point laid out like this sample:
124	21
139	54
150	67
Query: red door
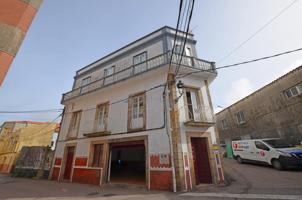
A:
201	160
69	161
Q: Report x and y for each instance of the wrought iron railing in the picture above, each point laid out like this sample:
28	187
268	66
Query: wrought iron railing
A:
200	113
134	70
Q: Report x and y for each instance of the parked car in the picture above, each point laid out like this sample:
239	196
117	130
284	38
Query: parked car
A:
274	151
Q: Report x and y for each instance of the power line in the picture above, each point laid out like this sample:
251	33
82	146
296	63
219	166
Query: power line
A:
244	62
30	111
257	31
187	31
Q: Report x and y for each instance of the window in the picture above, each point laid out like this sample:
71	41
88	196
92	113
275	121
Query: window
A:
85	82
294	91
97	152
177	49
260	145
189	59
137	106
194	109
101	118
224	124
240	117
108	78
74	124
139	63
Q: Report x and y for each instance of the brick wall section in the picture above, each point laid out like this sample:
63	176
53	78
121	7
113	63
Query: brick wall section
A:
155	162
161	180
80	161
55	173
58	161
86	175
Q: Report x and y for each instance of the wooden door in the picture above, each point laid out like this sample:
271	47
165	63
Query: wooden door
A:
201	160
69	162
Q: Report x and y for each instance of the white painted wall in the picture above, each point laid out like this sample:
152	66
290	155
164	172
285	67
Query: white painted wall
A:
152	50
118	112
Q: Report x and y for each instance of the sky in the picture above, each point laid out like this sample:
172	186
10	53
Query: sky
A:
68	35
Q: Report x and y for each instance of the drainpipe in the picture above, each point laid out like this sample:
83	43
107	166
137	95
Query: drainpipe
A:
170	142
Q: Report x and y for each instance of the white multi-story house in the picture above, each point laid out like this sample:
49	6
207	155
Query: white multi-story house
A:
119	126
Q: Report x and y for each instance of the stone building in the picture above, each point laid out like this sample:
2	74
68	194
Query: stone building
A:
17	134
273	111
15	19
122	125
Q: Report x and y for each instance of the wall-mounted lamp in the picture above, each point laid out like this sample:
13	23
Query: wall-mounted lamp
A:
180	85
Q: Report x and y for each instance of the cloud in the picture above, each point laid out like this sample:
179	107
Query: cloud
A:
239	89
292	66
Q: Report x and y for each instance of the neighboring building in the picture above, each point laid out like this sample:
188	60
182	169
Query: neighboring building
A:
18	134
274	111
33	162
15	19
117	122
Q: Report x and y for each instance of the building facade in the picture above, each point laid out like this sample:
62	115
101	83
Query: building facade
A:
274	111
120	126
15	19
17	134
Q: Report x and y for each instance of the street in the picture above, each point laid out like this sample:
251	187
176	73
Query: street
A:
246	181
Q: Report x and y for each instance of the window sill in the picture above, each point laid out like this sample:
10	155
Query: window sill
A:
198	124
97	134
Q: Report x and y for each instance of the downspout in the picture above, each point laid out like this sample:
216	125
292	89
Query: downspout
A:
170	141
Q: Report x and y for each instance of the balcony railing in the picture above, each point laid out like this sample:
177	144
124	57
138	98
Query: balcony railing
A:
134	70
200	114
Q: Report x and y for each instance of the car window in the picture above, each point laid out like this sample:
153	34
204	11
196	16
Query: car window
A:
260	145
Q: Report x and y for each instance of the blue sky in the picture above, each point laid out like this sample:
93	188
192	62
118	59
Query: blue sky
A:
67	35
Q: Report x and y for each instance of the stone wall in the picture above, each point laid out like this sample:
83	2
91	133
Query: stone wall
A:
33	162
268	113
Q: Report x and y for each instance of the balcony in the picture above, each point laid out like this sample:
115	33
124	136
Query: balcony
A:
200	116
134	70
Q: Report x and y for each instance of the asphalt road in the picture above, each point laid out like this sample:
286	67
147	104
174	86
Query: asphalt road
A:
246	182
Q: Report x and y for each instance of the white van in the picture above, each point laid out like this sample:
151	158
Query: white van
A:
275	151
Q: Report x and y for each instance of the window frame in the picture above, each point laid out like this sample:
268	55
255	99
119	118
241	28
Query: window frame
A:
92	155
74	127
297	88
107	69
240	117
140	63
105	106
130	111
224	124
84	79
199	101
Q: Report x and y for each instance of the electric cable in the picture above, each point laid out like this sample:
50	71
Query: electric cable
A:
257	31
242	63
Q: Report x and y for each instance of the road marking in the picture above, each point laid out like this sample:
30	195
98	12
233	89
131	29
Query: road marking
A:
244	196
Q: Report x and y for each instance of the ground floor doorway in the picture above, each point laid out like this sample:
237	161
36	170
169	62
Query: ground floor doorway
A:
127	163
201	161
68	163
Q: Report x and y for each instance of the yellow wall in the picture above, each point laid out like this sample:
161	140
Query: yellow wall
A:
11	143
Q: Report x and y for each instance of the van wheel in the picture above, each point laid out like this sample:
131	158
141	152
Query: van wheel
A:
277	164
239	159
